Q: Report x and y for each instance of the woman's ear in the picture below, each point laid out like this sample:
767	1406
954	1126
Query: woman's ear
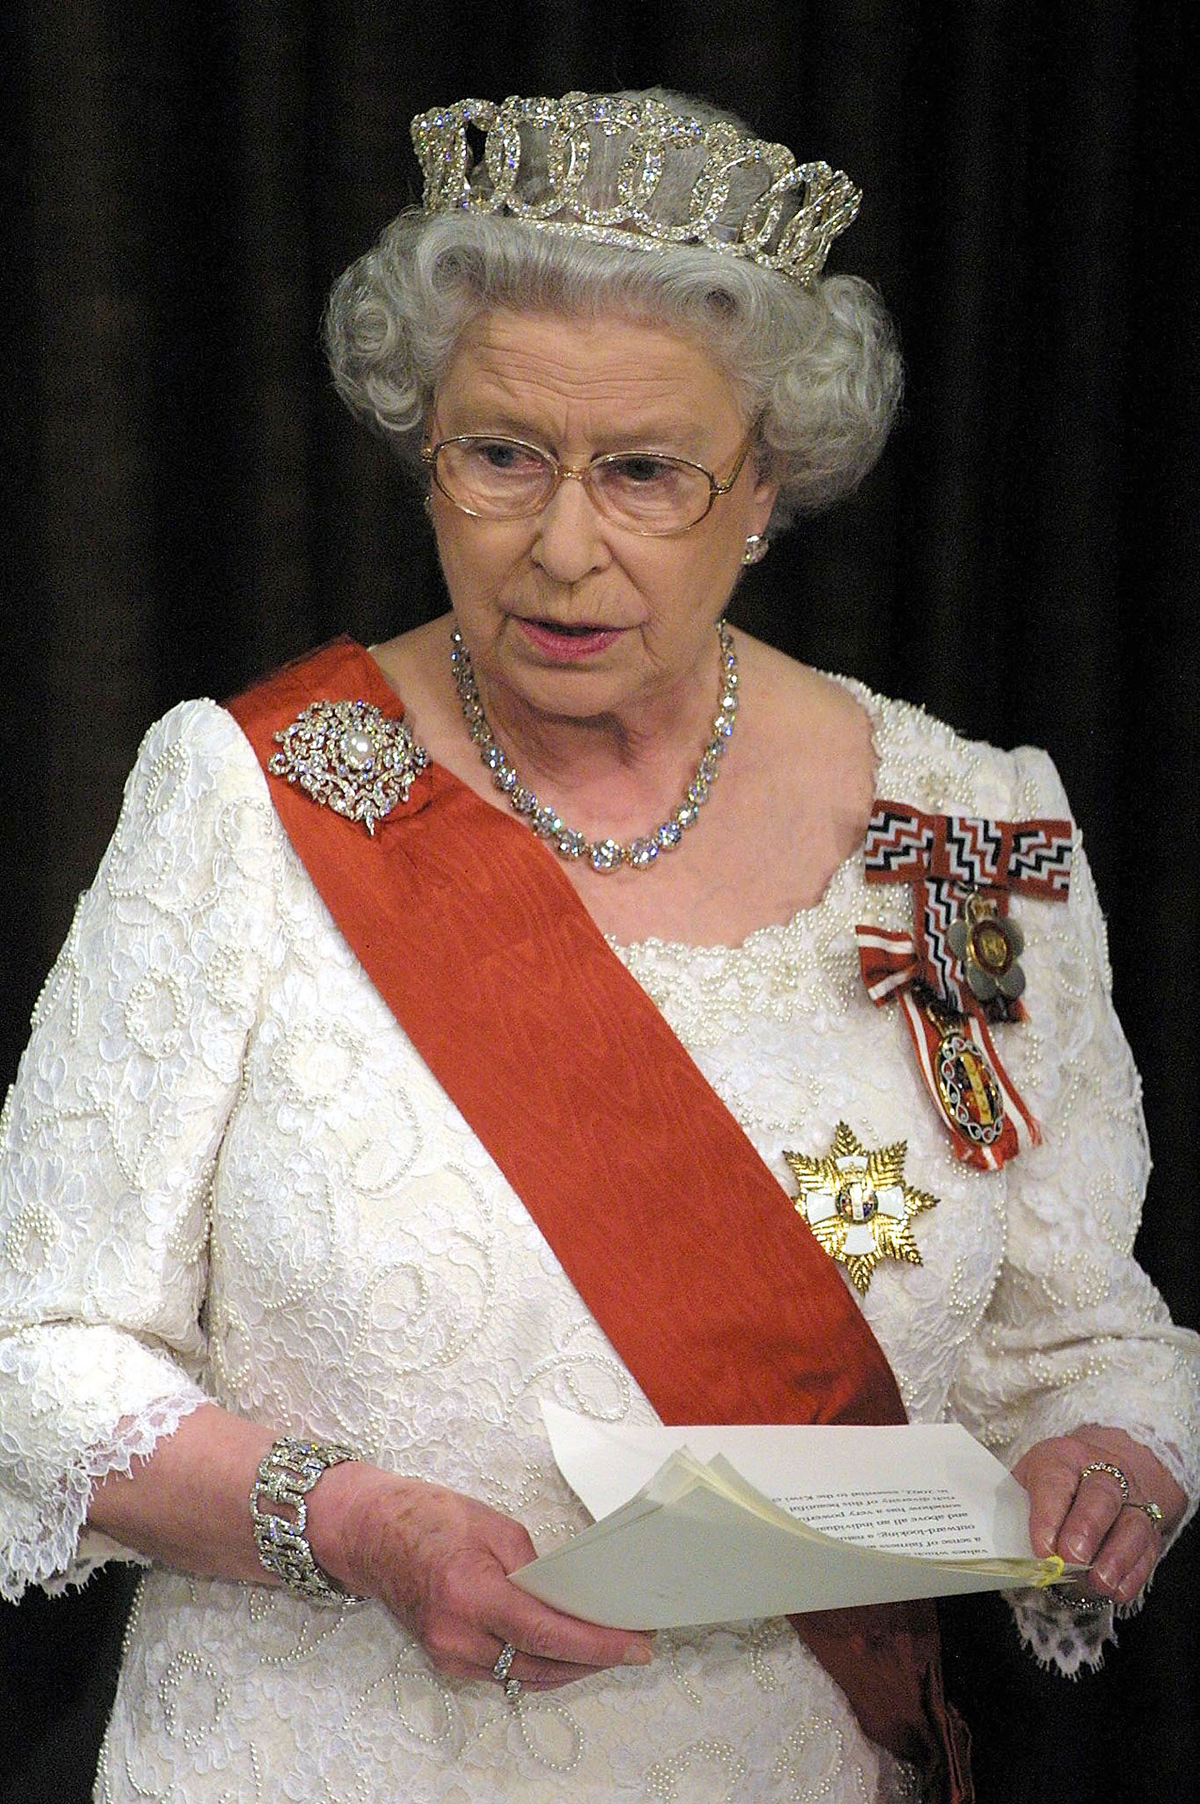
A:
766	493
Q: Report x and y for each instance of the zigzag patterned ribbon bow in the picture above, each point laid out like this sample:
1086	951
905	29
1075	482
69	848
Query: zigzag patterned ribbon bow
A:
958	969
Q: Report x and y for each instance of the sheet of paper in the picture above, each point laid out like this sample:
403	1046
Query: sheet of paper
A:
930	1491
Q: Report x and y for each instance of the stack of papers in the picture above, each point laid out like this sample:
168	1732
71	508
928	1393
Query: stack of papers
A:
710	1524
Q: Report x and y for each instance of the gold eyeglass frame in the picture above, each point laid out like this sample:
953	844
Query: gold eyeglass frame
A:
568	473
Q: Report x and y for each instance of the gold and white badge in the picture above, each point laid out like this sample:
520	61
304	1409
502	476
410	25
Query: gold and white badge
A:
858	1205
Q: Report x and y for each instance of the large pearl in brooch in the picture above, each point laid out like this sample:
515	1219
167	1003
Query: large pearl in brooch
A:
358	748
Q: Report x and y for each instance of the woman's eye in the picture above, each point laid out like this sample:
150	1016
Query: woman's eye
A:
503	456
641	470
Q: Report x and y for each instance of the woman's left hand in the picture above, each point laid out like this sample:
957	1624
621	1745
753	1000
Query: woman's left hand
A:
1082	1516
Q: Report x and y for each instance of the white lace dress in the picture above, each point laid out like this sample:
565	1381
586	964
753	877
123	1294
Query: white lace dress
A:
226	1174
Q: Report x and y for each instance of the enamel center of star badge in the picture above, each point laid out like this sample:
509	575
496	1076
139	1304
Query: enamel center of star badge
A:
858	1205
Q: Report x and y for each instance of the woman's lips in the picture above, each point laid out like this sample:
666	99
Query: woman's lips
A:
568	644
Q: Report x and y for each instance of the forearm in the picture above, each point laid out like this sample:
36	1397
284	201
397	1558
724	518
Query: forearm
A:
188	1505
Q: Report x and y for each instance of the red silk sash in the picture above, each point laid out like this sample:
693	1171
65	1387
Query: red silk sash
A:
678	1237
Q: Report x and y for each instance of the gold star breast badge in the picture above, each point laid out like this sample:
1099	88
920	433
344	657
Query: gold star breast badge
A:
858	1205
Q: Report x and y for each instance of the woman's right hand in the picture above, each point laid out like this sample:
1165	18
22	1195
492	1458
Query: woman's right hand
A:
440	1562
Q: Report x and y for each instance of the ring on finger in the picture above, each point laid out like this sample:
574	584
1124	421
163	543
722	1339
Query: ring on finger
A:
1082	1603
1148	1509
507	1655
1106	1466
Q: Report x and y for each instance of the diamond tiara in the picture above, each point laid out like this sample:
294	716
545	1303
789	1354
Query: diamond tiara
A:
635	173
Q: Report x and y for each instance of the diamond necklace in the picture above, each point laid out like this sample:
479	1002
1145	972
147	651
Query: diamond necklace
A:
548	824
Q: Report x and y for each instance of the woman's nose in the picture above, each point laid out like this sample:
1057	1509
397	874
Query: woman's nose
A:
571	540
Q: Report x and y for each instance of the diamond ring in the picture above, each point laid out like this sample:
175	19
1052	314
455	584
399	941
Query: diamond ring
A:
1106	1466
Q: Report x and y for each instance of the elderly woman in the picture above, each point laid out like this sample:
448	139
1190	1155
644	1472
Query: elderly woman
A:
516	1012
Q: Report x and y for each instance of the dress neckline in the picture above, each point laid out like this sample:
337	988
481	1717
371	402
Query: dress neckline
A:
871	704
874	707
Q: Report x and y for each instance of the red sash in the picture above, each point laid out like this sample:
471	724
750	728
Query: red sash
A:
675	1233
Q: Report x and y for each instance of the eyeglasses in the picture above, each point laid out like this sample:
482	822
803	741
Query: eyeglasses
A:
645	492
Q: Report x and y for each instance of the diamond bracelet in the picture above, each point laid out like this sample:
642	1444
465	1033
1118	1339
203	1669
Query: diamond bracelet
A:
285	1476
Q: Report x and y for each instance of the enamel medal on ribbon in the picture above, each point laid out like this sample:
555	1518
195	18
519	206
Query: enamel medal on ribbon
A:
858	1205
957	972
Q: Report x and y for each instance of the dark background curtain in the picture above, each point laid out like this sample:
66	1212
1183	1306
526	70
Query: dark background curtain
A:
187	505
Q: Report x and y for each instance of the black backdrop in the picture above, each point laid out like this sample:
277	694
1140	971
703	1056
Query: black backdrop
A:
187	505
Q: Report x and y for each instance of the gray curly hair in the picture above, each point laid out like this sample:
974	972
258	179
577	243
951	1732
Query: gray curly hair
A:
815	369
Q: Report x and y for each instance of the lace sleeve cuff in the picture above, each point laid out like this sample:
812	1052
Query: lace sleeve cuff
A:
1059	1636
78	1402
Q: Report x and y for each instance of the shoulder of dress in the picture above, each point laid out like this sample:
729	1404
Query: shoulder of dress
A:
203	733
194	762
928	762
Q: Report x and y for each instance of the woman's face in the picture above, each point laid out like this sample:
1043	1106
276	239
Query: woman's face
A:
566	612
